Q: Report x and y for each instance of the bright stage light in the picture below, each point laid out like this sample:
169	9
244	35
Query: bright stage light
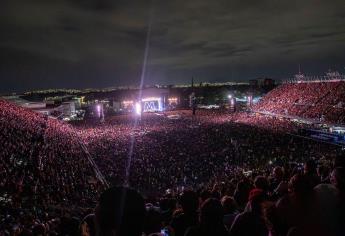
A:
229	96
127	102
138	108
148	99
172	99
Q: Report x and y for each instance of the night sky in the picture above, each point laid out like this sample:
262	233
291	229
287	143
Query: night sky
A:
101	43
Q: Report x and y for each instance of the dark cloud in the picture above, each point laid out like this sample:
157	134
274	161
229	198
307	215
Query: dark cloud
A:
98	43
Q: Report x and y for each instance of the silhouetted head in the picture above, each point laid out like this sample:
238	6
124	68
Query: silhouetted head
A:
152	221
229	205
87	226
338	178
255	200
189	201
299	184
211	212
38	230
261	183
310	167
120	212
278	173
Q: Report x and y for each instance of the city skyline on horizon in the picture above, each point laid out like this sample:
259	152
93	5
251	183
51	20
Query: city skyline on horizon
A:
196	83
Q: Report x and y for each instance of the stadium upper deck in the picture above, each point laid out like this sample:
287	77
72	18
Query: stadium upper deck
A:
322	100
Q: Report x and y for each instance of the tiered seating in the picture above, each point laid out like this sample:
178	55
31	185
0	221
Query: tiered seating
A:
32	147
316	100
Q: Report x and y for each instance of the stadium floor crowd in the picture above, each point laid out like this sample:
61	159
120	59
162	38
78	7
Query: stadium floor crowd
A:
215	174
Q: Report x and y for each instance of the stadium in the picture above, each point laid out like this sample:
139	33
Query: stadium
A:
172	118
277	167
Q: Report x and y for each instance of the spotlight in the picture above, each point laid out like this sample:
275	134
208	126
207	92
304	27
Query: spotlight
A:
99	110
138	108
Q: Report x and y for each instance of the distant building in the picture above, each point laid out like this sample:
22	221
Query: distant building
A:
262	82
47	107
68	108
267	82
78	102
25	103
65	109
253	82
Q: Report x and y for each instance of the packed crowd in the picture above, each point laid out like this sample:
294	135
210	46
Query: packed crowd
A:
42	168
286	201
204	175
315	100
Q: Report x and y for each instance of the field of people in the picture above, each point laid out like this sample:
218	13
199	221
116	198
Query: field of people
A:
171	150
47	180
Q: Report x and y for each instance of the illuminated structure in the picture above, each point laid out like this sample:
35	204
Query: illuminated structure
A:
172	101
65	109
152	100
249	100
100	111
232	101
152	104
127	105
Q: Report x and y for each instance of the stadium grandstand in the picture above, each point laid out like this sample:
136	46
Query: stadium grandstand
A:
310	98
